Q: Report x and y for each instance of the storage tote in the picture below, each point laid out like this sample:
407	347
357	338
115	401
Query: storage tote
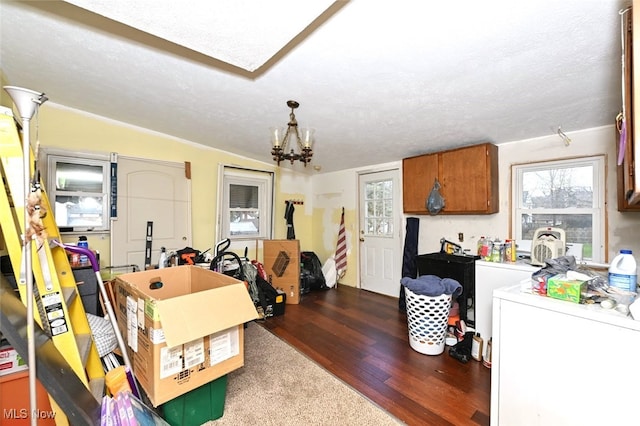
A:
197	406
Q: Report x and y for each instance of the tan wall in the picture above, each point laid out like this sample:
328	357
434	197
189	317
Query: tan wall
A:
316	220
334	190
69	129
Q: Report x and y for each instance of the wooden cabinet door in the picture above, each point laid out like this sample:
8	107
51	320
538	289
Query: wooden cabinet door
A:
628	190
469	178
418	175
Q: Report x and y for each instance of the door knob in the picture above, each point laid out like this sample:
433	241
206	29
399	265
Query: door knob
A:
361	240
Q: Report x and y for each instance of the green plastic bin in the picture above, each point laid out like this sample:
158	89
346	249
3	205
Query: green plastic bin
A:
197	406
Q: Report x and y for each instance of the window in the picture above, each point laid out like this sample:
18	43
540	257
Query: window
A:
567	194
246	204
78	192
378	215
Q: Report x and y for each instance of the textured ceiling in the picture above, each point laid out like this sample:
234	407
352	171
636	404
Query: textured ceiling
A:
379	80
244	33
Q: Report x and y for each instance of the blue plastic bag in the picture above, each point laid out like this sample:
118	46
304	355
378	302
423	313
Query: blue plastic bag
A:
435	201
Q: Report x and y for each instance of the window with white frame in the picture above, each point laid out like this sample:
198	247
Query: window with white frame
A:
78	190
247	203
565	194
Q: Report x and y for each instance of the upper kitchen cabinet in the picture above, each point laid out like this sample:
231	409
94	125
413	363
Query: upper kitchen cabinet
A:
628	179
468	179
418	175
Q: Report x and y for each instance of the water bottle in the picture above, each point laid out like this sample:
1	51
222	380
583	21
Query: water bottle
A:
82	242
623	272
162	262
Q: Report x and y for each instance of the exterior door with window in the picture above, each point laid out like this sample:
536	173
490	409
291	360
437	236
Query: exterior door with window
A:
380	242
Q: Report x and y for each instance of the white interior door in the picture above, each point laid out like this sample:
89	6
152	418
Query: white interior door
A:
150	191
380	216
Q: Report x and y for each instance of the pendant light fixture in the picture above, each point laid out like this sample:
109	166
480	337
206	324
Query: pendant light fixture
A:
280	140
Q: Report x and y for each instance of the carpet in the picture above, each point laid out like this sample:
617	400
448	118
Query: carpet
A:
280	386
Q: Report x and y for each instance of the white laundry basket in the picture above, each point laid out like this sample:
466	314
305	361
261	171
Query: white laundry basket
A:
427	318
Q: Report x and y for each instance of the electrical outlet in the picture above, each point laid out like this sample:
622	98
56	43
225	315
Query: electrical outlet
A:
460	236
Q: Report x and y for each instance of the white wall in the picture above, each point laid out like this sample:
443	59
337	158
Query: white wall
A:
333	190
622	229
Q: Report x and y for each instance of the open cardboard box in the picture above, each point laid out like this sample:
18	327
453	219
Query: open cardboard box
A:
183	327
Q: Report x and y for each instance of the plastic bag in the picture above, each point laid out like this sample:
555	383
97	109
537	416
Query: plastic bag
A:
435	201
329	272
311	271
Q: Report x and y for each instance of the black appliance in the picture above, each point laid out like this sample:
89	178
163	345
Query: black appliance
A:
458	267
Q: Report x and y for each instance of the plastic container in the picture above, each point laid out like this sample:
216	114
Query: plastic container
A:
480	244
476	347
14	400
623	271
427	318
82	242
487	249
496	251
116	380
197	406
487	359
162	262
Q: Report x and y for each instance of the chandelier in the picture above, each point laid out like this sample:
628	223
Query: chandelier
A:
280	140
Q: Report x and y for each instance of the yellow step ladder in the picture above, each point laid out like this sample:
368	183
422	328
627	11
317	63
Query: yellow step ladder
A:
59	308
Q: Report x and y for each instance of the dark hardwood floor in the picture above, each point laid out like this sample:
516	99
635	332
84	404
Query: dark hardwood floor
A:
361	337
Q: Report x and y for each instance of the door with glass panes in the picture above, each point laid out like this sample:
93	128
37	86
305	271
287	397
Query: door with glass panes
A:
379	239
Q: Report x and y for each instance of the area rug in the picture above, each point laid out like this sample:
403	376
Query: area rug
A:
280	386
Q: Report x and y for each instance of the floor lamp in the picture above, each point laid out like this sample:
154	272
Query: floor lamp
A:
27	102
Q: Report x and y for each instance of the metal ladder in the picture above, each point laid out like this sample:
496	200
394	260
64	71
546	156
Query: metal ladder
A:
60	311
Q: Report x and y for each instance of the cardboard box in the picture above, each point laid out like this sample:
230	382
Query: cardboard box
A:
183	327
10	361
282	264
559	287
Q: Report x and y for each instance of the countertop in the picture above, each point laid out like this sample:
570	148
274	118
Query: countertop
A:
519	265
593	312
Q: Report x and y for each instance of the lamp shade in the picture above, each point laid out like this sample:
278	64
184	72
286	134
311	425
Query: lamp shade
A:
25	100
307	137
277	136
